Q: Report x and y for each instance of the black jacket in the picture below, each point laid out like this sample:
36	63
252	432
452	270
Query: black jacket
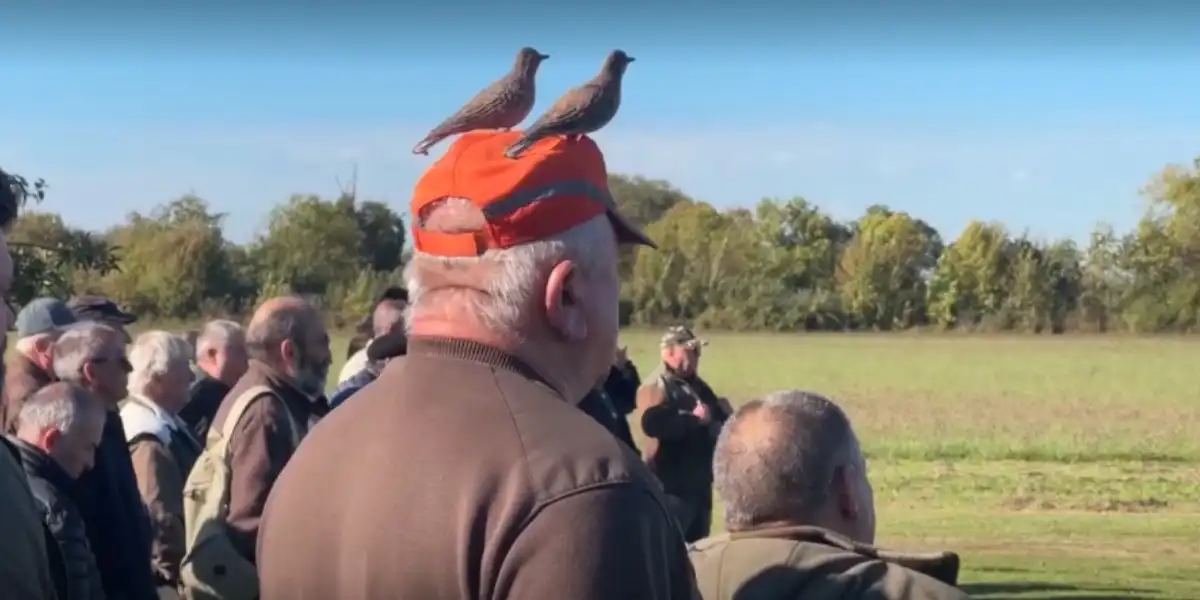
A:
117	522
621	387
597	405
206	396
73	564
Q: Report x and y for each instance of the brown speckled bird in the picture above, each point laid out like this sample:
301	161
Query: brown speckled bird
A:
501	105
582	110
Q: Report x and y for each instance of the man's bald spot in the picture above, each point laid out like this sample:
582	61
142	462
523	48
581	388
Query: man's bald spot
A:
776	457
388	316
279	319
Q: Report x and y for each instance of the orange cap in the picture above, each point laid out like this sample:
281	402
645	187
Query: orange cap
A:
555	185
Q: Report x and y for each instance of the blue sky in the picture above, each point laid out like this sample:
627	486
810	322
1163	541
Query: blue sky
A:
1046	121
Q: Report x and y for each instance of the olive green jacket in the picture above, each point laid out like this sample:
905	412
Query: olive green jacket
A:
810	563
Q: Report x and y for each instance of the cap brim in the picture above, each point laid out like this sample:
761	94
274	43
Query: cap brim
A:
627	232
124	318
387	346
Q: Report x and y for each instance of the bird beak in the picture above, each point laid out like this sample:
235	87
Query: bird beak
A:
629	59
543	56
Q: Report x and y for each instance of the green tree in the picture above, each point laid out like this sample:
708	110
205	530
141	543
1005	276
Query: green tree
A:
880	277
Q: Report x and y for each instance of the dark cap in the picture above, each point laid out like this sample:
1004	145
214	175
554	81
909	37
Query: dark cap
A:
44	315
99	308
388	345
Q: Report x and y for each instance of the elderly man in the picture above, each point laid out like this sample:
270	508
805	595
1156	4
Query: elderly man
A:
798	506
681	417
289	355
475	475
387	317
58	431
92	356
38	326
161	445
102	310
221	357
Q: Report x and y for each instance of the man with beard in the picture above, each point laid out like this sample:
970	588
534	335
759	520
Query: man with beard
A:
288	348
681	417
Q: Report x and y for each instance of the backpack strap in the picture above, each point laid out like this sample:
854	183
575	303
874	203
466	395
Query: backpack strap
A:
237	410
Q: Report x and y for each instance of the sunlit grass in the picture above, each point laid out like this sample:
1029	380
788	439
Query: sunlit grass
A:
1059	468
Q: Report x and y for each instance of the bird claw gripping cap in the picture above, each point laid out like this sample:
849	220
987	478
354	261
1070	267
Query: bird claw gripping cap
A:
558	184
681	336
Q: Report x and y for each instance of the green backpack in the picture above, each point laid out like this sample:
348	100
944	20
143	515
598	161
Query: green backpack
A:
212	569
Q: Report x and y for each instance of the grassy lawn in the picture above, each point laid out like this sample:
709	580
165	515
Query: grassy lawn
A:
1058	468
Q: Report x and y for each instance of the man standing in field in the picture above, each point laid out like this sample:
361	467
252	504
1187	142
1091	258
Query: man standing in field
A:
221	359
681	417
800	514
474	475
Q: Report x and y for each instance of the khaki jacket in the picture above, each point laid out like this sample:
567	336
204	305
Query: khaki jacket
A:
810	563
163	451
24	564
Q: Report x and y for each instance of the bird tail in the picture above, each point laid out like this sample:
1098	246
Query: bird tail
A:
424	145
519	146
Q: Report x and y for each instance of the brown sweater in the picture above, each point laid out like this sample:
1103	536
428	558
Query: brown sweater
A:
461	474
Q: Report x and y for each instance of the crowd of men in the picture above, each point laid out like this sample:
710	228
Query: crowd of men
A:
476	446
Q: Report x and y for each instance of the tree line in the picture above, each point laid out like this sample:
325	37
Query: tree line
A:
784	265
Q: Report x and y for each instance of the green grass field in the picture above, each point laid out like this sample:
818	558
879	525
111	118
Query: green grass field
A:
1058	468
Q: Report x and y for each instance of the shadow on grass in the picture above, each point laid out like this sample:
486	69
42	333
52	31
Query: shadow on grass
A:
1044	590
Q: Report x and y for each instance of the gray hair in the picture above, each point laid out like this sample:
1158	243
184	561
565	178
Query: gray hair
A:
61	406
777	456
511	276
217	334
80	344
153	354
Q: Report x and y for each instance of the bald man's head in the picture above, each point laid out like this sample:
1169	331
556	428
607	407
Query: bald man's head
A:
388	317
288	334
778	458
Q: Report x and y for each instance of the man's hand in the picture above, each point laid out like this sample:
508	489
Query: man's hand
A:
700	411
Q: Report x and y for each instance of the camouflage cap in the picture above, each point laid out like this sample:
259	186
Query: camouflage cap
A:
681	336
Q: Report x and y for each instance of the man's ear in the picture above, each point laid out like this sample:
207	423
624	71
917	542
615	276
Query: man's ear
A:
89	371
564	310
843	492
287	351
49	438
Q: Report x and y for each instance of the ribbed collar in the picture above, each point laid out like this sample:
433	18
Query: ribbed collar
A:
469	350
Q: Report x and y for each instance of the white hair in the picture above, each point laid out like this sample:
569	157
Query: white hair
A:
154	354
79	345
513	276
59	406
216	336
